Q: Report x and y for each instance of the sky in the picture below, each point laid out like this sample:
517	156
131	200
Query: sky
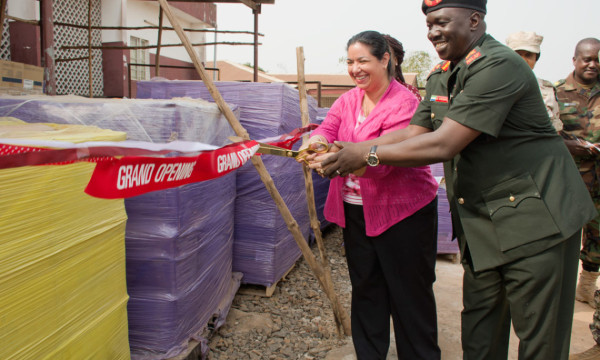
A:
322	28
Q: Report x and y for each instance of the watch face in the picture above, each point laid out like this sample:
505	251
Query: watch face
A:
372	160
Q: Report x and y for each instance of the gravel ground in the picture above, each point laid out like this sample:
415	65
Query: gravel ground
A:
296	322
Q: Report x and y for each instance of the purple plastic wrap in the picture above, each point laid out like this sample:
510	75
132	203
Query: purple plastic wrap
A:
178	263
445	243
178	241
263	249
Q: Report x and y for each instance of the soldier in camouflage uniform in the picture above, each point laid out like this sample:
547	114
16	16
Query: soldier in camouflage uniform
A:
594	352
579	100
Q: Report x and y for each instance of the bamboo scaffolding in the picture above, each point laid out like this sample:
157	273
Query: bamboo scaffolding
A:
342	322
151	27
79	47
158	41
292	225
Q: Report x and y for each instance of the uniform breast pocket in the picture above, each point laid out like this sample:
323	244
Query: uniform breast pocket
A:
438	112
568	112
518	212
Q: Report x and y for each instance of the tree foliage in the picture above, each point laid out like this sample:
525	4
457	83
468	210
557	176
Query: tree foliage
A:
419	62
251	66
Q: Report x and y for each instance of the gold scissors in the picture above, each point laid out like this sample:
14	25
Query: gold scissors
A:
298	154
264	148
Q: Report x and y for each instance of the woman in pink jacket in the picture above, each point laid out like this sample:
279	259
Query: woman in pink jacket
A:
388	214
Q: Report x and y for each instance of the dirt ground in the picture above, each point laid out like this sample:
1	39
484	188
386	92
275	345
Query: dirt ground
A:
296	322
449	304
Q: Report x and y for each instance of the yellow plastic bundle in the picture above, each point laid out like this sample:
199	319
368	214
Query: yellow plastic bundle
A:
62	257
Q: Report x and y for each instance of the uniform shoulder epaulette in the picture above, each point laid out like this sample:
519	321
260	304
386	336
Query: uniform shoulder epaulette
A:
560	82
473	56
440	67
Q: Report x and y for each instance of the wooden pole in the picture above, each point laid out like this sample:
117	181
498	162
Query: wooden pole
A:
256	161
90	48
255	12
158	41
48	52
342	321
2	15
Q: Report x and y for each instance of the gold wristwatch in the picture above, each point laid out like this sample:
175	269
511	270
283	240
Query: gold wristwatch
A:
372	158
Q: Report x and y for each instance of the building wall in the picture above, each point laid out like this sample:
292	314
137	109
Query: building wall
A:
25	43
145	13
138	13
25	39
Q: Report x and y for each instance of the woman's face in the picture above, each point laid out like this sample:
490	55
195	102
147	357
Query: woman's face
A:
368	72
529	57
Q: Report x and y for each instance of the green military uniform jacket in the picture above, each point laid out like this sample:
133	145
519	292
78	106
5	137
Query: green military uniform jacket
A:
514	191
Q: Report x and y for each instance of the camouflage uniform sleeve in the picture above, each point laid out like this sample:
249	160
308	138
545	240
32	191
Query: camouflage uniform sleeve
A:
549	95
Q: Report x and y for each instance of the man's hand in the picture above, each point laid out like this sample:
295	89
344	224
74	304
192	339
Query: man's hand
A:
350	157
580	148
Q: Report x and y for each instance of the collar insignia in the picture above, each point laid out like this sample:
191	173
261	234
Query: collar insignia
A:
443	66
472	56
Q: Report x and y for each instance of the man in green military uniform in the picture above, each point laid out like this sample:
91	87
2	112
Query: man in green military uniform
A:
517	200
579	100
527	45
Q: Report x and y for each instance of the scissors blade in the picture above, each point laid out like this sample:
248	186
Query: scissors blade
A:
276	150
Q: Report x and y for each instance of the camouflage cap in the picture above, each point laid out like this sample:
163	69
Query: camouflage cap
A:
433	5
525	40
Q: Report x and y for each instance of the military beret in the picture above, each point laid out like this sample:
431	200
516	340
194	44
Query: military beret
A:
525	40
433	5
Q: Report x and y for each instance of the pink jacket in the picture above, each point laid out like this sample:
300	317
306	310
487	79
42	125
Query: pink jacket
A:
390	194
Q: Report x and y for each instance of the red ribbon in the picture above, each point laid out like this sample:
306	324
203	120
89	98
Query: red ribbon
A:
133	175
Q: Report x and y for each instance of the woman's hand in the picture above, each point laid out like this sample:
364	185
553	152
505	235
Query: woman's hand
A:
316	144
314	159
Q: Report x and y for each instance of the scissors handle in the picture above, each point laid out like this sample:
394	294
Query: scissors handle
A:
322	148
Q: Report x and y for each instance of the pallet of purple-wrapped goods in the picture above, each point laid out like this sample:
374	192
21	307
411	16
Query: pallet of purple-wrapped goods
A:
264	249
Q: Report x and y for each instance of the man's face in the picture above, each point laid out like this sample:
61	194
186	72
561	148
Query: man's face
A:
450	32
586	63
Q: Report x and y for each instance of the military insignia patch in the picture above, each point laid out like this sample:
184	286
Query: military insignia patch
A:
472	56
432	2
438	98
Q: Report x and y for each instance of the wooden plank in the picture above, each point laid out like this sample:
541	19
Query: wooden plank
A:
260	290
193	352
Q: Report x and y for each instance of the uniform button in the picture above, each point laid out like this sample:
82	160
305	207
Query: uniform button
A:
461	201
455	168
432	115
511	198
